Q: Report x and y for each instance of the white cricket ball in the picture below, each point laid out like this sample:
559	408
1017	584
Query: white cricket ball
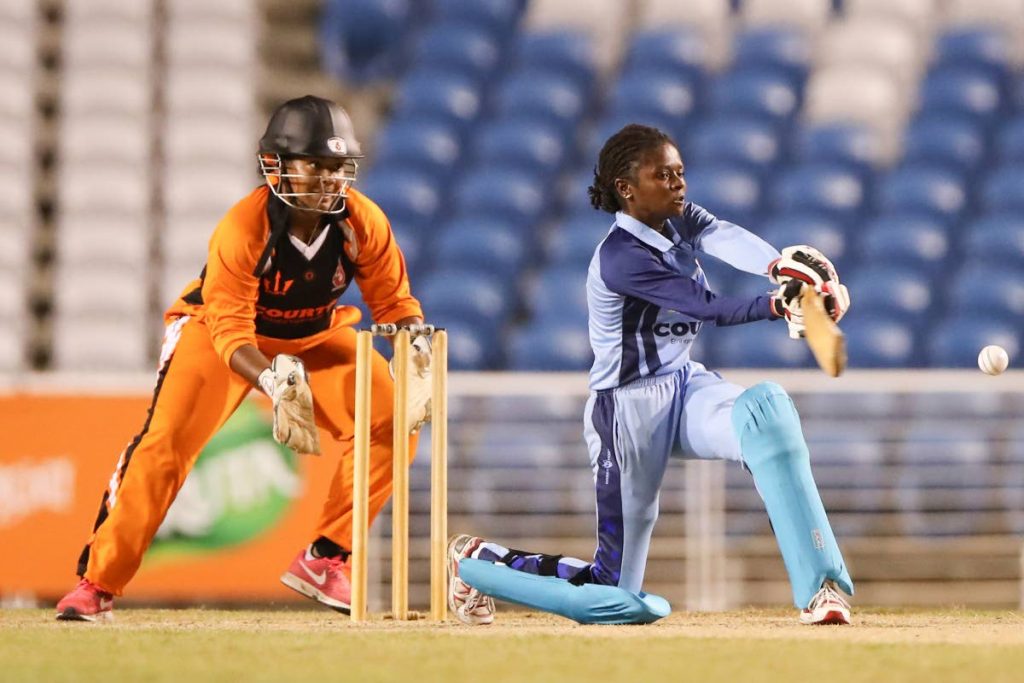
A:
993	360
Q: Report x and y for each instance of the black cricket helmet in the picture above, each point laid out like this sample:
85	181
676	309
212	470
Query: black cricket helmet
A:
310	127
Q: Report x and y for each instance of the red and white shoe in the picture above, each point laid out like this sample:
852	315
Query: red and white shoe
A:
826	607
469	605
325	579
87	602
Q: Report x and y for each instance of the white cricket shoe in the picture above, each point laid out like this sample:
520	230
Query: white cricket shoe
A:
469	605
826	607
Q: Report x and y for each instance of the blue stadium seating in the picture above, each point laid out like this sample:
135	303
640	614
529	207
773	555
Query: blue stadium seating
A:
499	17
751	144
982	286
427	147
574	195
489	246
407	197
965	91
654	95
931	190
412	243
613	122
430	95
879	342
956	340
572	243
854	146
471	346
566	53
981	47
468	295
729	192
785	49
550	346
672	50
950	142
558	294
997	238
1009	145
512	195
906	239
539	96
460	49
527	146
895	290
819	231
1001	191
363	40
759	93
830	189
764	344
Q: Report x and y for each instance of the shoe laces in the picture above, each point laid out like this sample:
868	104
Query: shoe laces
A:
829	593
476	600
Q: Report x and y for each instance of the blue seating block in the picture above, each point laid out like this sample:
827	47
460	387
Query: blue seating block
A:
956	340
507	194
528	146
951	142
672	50
761	93
748	143
486	245
1001	191
654	95
763	344
729	192
783	48
983	287
407	197
441	96
998	239
550	346
567	53
830	189
907	239
962	90
854	146
895	290
459	48
822	233
468	295
931	190
427	147
539	96
880	342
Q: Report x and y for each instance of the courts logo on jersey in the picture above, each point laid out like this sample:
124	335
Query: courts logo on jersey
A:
677	329
337	145
338	279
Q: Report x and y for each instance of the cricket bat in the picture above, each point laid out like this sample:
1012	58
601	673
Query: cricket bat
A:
823	336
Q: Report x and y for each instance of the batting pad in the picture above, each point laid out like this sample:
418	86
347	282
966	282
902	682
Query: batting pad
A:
773	447
586	604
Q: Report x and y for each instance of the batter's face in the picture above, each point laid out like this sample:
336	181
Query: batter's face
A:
319	183
657	192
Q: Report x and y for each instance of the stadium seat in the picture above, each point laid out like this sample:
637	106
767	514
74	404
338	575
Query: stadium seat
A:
363	40
880	342
559	293
873	42
550	347
954	342
807	14
729	192
997	238
438	97
566	53
528	146
468	295
430	148
412	241
785	49
920	14
612	122
572	242
1004	13
102	238
950	142
763	344
539	96
657	95
574	194
855	146
460	49
988	48
822	233
92	344
407	197
750	144
471	345
206	41
1009	146
925	189
856	94
515	196
826	188
759	93
981	286
604	22
893	290
499	17
963	91
907	239
1001	190
681	51
493	247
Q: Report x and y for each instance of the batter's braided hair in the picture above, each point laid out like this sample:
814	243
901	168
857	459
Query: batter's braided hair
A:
619	158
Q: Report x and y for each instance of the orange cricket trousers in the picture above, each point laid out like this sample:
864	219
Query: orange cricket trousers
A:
195	394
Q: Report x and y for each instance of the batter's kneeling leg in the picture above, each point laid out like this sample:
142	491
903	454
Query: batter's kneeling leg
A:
774	450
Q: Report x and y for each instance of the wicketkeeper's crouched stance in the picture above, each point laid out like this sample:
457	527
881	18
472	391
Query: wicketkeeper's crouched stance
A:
263	314
648	298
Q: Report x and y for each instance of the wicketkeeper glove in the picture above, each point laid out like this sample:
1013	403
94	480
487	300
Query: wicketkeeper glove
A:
287	385
420	385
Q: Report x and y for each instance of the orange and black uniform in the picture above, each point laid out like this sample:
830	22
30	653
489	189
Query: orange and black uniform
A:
285	306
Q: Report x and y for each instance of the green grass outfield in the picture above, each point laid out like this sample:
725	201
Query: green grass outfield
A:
195	645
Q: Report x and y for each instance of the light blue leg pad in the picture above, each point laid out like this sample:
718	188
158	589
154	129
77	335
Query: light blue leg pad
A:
586	604
773	448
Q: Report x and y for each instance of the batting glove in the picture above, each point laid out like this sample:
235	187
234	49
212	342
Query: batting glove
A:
803	263
287	385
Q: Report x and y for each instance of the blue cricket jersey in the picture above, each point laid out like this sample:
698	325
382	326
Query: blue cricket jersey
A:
647	295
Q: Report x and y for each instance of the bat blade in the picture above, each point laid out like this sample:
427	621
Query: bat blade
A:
823	336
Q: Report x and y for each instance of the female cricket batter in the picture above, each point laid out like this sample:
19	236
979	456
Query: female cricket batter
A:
263	314
648	298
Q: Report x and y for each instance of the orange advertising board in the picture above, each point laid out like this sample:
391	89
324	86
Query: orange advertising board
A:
247	507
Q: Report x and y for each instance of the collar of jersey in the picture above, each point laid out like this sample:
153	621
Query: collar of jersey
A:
644	233
310	250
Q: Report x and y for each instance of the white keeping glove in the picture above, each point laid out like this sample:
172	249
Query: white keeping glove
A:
420	385
287	385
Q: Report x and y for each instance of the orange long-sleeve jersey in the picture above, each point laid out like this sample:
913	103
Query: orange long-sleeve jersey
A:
295	294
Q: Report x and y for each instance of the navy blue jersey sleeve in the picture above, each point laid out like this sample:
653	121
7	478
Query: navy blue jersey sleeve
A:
630	269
